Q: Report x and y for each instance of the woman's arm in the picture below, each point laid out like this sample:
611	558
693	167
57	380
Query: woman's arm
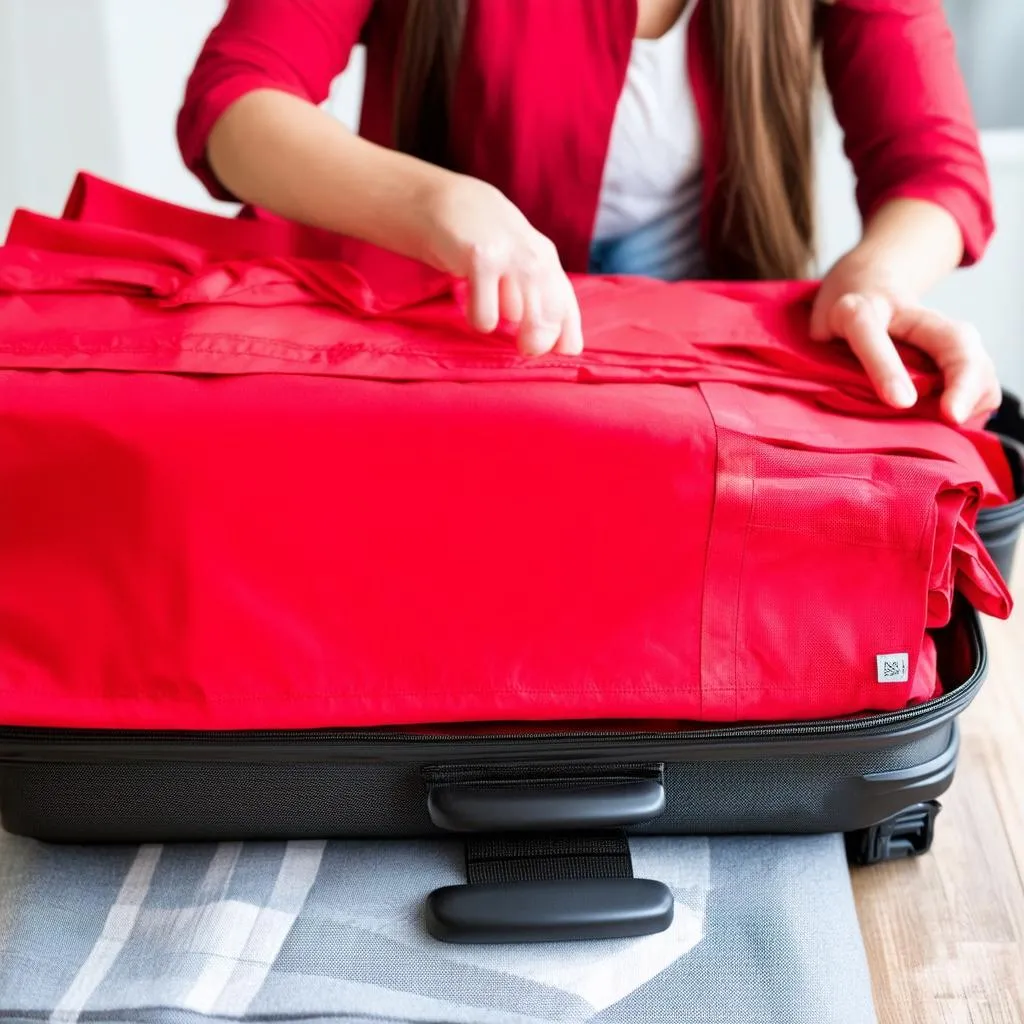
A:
915	241
291	46
907	121
923	190
281	153
871	296
252	130
251	127
907	246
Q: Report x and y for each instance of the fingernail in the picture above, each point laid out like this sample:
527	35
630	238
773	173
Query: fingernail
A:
539	341
958	410
547	335
901	392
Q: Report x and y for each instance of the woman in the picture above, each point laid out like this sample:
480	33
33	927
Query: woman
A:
510	141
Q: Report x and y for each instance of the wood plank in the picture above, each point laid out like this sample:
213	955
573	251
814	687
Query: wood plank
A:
945	933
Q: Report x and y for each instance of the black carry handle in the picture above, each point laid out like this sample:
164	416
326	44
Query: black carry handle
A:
564	884
538	808
550	911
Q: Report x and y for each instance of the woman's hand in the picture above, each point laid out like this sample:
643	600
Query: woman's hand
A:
863	304
282	153
472	231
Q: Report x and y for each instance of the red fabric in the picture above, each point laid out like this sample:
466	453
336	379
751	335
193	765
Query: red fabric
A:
890	64
289	494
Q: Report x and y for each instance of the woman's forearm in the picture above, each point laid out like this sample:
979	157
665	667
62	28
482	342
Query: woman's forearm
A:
913	243
283	154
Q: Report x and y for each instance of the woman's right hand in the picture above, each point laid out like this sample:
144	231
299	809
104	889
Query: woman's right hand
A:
282	153
473	232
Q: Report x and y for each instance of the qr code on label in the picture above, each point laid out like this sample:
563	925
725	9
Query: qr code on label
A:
893	668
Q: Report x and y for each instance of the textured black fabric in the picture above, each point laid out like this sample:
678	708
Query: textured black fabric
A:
552	775
196	801
529	858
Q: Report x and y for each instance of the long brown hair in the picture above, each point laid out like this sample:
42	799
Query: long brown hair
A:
764	58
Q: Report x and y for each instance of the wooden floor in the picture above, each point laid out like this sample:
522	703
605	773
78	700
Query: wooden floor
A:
945	933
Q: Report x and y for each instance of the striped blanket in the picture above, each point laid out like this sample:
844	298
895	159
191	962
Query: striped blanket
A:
765	930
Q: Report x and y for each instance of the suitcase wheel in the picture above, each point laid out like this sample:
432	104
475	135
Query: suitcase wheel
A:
906	834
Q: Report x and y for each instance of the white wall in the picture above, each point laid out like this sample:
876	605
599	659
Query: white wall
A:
991	295
990	37
150	48
55	100
96	84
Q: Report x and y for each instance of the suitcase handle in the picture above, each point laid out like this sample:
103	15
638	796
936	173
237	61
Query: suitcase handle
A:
482	808
550	911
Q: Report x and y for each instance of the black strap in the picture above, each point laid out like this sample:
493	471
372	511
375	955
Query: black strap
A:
528	858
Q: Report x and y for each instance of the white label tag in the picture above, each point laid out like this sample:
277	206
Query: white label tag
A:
893	668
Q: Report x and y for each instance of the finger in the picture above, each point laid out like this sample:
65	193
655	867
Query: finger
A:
820	311
971	388
970	392
820	326
571	341
968	373
943	339
484	280
560	307
510	299
537	333
992	399
860	322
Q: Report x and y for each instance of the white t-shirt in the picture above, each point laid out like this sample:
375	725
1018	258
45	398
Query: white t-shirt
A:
653	171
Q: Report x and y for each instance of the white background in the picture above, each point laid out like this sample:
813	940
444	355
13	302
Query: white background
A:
96	84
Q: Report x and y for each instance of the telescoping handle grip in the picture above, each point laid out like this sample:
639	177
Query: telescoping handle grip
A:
557	908
550	911
543	809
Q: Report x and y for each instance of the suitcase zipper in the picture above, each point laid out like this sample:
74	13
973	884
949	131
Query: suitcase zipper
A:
943	707
869	726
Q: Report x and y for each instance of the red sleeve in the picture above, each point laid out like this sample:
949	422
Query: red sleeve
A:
901	101
296	46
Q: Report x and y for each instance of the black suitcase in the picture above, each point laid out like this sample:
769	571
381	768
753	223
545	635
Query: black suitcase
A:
546	809
1000	528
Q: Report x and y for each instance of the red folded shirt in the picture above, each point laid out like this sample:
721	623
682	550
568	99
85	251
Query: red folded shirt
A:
290	493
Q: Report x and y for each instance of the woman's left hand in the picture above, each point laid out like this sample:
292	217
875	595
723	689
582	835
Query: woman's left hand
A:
864	306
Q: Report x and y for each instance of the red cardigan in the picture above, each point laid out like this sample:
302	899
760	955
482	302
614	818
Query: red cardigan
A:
540	80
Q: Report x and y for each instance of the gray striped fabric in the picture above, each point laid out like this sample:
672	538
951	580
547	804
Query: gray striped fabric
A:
765	930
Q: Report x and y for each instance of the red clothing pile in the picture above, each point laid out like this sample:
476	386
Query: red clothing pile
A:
288	493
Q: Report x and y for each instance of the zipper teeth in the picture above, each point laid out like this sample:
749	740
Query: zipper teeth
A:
875	723
870	725
1010	513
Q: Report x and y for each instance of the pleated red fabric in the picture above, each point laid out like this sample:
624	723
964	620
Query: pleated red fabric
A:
244	489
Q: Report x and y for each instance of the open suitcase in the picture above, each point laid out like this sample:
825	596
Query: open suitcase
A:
876	778
545	803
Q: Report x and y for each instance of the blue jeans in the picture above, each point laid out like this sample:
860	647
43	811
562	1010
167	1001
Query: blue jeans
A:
660	249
